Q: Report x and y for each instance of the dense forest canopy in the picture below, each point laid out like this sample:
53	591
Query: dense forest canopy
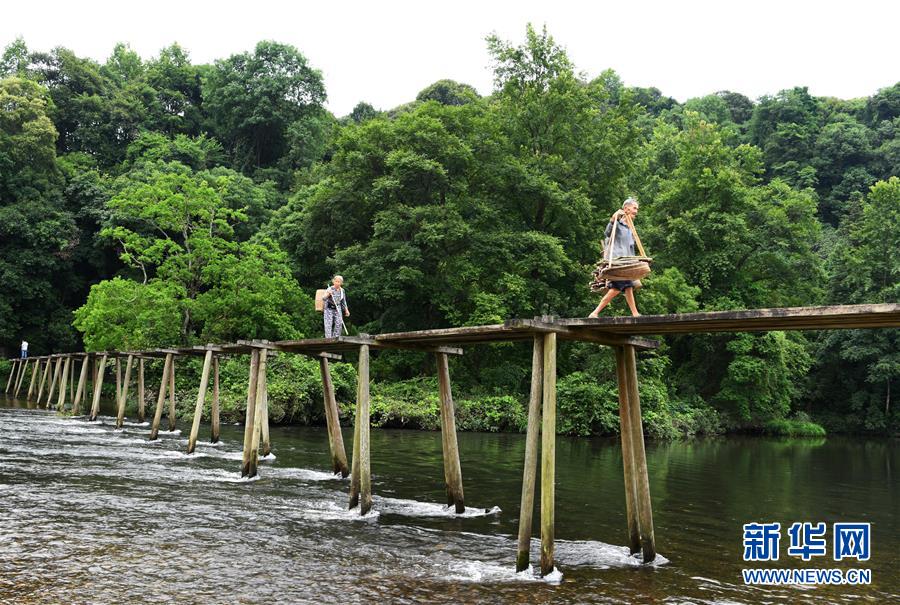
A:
155	202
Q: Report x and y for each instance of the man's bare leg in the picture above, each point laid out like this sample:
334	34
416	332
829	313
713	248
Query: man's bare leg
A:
611	294
629	298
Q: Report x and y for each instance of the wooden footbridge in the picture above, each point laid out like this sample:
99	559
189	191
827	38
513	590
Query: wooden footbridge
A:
54	375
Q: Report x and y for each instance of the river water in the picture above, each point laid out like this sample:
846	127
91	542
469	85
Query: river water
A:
89	514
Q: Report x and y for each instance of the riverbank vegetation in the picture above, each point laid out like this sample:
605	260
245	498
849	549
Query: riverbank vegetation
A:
152	202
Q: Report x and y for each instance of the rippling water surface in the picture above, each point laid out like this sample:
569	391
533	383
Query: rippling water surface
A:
89	514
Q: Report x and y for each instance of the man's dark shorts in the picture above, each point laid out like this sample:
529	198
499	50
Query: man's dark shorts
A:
621	285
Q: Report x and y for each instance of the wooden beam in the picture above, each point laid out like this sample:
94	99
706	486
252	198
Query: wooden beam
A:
214	411
333	422
548	456
834	317
53	381
526	507
201	399
44	375
631	515
123	395
259	413
161	398
141	395
172	411
82	384
452	469
365	470
13	368
35	370
642	481
98	387
250	413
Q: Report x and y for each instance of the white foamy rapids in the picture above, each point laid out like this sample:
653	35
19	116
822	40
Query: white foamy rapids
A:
479	571
597	554
305	474
268	457
414	508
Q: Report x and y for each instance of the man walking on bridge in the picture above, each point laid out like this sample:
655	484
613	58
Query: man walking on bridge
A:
622	246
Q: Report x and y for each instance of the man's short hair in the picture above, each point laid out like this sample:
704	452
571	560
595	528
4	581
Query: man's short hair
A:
630	202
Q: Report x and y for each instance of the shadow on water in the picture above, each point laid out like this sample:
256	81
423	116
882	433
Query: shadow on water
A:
91	514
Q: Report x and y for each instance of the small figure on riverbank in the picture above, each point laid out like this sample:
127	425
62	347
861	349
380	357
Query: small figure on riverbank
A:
335	307
24	349
623	245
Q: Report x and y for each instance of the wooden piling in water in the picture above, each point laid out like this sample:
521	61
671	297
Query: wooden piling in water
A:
264	417
452	469
201	399
258	415
365	468
333	422
53	381
100	368
354	463
634	538
35	370
642	481
161	399
17	370
21	377
44	376
61	401
123	395
214	410
118	381
12	372
82	384
172	395
548	455
526	508
249	415
141	395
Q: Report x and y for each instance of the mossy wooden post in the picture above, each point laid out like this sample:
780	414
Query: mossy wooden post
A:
214	410
354	463
634	537
161	399
61	400
141	395
14	376
35	370
82	384
332	419
642	481
262	388
172	395
452	469
123	395
14	367
118	380
362	469
98	387
72	381
548	455
249	415
201	399
44	375
526	508
21	377
258	414
54	380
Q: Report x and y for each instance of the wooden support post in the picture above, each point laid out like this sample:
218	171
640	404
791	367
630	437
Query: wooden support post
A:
645	511
53	381
17	369
22	373
82	384
61	401
214	411
118	381
332	420
354	463
634	538
258	415
12	372
141	395
250	414
35	370
363	468
161	399
98	386
123	395
526	508
452	470
263	390
548	455
201	399
172	394
44	375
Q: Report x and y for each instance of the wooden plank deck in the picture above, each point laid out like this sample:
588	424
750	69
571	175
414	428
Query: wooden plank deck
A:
840	317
